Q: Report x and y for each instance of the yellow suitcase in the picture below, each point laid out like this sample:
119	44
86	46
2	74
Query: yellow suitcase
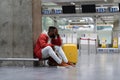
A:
103	45
71	52
115	42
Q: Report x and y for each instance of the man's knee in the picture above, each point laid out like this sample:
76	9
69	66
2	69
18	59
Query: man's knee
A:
49	47
58	47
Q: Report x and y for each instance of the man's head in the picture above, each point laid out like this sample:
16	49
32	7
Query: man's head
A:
52	31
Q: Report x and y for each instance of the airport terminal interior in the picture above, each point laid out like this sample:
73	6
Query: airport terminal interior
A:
93	26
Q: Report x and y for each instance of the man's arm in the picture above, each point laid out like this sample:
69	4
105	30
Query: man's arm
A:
43	39
57	41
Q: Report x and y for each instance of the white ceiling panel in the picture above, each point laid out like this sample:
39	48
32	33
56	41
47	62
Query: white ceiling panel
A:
116	0
69	0
101	19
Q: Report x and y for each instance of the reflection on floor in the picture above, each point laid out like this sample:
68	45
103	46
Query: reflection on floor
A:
89	67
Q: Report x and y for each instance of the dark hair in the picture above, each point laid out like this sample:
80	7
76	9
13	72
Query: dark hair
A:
51	28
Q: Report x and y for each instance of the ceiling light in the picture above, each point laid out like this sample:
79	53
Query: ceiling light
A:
69	20
72	3
105	0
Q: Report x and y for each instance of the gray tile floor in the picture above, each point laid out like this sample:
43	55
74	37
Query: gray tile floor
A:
89	67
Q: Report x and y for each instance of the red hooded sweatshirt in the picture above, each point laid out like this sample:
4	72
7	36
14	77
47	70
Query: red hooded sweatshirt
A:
42	42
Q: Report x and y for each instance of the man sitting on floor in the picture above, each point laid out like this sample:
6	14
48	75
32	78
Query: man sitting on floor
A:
49	45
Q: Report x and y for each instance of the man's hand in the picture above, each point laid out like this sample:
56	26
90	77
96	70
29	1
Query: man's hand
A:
56	32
